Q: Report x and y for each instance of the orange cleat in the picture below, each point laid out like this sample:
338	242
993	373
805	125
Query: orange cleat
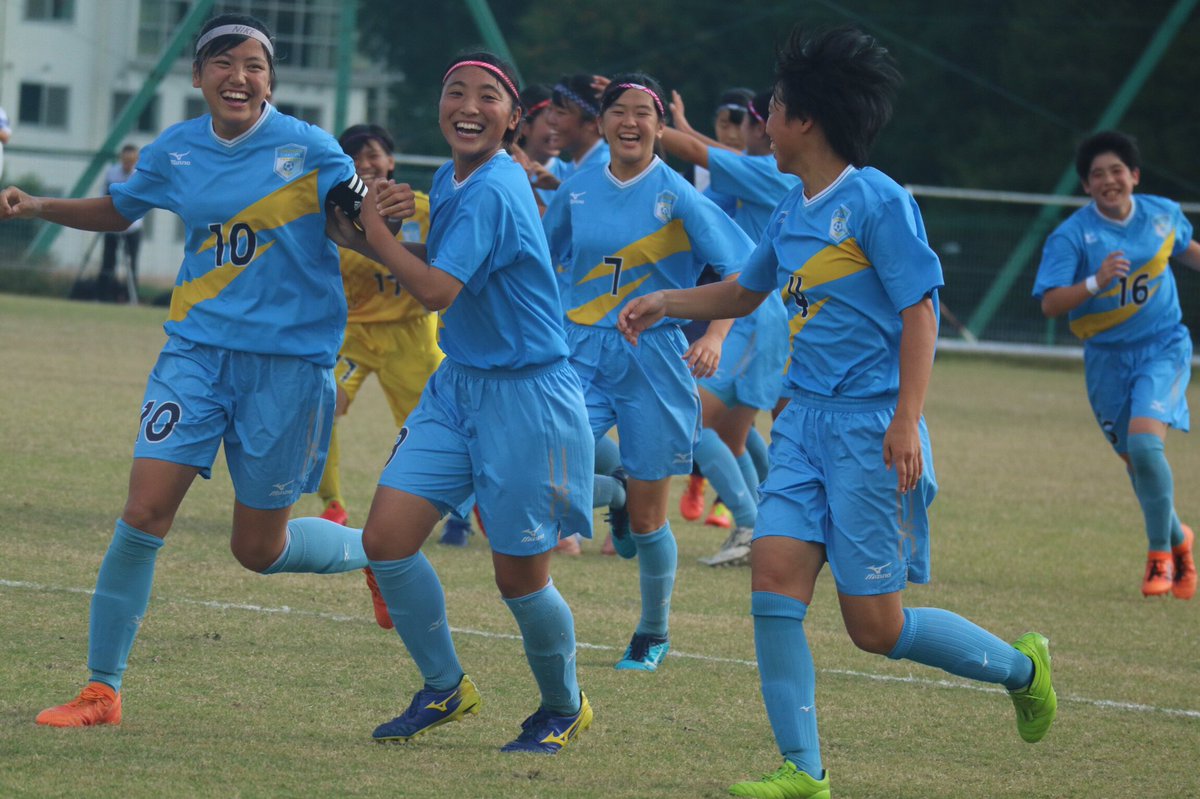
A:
96	704
335	512
1160	571
382	617
691	504
568	545
720	516
1184	586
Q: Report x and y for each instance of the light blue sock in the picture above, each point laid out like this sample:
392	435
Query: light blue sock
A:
721	468
549	634
757	447
319	546
1155	489
607	492
608	455
417	605
122	594
750	475
785	667
657	558
946	640
1176	530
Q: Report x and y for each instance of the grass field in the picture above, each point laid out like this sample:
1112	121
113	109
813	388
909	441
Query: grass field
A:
241	685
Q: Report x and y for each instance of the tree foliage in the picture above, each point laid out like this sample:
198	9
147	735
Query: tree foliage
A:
996	94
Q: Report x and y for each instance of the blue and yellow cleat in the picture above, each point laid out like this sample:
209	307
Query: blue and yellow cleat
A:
430	709
618	520
544	733
644	653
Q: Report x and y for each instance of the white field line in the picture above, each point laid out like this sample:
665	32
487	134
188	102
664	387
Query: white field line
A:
1105	704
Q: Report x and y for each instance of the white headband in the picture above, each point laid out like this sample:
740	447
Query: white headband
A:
237	30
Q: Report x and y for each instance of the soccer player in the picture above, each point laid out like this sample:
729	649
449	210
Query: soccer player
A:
751	376
252	333
1106	268
573	112
537	147
633	227
388	332
503	419
851	472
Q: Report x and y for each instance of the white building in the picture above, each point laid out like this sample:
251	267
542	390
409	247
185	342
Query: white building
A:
68	67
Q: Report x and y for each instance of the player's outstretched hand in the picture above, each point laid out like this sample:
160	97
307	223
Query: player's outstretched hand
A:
704	355
640	313
16	204
394	200
678	117
902	451
599	84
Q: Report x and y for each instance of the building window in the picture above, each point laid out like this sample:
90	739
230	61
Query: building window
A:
309	113
194	107
147	121
43	105
306	31
49	9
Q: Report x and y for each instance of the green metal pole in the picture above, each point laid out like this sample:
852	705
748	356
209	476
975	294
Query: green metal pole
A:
347	28
1116	109
486	22
191	23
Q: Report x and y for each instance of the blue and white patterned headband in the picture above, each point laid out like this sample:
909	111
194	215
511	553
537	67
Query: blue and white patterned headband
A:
237	30
591	106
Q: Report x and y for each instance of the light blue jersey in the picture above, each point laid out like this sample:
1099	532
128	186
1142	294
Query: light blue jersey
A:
847	261
560	169
1140	306
486	232
613	240
755	183
264	278
597	156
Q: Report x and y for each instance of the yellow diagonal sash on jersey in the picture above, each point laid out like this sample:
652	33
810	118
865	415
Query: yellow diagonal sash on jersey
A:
662	243
833	263
796	324
1087	326
296	199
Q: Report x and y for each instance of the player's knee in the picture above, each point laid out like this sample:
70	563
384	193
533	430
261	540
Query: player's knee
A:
147	517
646	520
253	558
878	639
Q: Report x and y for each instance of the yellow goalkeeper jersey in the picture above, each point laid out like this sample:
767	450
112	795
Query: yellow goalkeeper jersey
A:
372	293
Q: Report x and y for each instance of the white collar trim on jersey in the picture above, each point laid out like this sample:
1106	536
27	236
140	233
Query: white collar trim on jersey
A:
849	170
590	152
268	109
1119	222
624	184
454	182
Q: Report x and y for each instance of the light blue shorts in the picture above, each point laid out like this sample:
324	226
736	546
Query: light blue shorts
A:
272	412
752	359
646	391
827	484
516	443
1147	379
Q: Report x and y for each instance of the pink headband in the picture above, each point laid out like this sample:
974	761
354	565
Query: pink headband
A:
647	90
495	70
753	112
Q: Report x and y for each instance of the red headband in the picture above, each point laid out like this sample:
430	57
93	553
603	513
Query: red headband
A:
532	112
753	112
647	90
495	70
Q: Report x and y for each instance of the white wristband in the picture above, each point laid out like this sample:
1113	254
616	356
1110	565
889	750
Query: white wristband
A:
1093	287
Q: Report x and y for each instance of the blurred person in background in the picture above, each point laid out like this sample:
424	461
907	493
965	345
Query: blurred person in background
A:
130	239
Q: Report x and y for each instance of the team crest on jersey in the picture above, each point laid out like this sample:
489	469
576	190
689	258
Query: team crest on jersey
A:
289	160
411	231
1162	225
664	204
839	224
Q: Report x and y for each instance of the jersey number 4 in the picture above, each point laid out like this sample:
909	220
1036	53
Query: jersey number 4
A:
793	291
242	243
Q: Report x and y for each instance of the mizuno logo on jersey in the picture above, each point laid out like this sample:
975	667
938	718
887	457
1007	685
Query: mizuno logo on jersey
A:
177	159
577	197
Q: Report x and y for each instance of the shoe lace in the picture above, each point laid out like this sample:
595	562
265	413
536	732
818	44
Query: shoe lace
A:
781	773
